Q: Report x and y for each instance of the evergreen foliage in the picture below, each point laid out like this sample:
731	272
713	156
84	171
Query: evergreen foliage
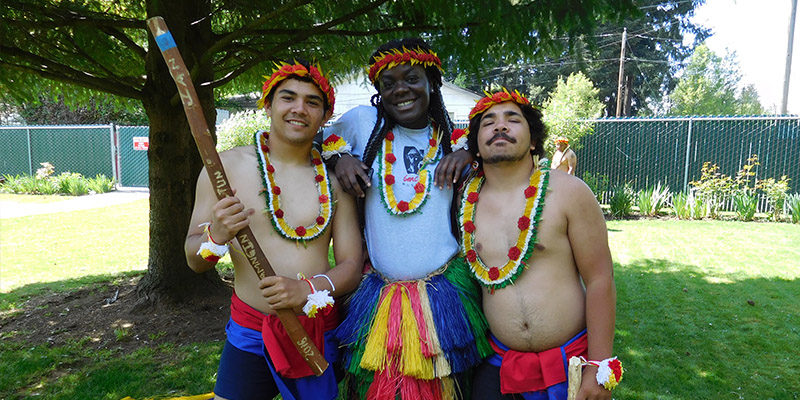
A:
79	50
655	47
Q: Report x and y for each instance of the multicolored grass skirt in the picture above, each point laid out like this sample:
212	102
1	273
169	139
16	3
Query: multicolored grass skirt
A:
410	337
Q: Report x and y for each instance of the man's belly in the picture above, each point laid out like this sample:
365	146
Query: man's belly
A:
531	319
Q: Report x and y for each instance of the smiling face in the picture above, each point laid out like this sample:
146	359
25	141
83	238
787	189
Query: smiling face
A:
296	110
406	95
504	134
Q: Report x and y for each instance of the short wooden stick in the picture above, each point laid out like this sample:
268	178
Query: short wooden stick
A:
574	377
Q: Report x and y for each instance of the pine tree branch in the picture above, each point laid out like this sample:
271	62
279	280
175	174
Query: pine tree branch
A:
63	73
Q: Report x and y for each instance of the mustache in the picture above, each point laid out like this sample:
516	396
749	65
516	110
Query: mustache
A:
500	135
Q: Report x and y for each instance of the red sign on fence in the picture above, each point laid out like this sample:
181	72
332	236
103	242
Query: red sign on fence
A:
141	143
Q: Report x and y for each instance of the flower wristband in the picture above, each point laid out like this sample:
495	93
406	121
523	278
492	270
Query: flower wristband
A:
212	251
334	145
609	371
458	140
316	300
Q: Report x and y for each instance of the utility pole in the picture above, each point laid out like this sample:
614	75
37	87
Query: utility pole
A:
788	71
622	71
626	105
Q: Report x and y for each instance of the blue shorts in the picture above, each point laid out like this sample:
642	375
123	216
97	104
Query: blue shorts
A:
246	372
244	376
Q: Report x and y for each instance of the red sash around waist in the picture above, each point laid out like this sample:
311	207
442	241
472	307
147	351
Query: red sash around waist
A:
287	360
522	372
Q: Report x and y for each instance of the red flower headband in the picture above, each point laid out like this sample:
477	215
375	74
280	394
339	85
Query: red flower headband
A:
394	58
497	98
562	140
284	70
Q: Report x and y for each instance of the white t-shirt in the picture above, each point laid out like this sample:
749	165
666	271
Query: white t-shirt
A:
401	247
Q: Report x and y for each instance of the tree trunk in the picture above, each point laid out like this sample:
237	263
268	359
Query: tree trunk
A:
174	160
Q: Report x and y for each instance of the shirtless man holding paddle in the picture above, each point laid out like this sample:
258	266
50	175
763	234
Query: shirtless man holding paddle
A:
303	210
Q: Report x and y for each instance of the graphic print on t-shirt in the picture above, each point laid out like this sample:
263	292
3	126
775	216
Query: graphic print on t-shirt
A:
413	159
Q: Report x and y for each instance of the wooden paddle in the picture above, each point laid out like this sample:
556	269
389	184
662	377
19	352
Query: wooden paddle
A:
208	152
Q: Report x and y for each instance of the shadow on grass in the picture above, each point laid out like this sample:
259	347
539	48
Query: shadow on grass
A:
20	294
69	339
683	335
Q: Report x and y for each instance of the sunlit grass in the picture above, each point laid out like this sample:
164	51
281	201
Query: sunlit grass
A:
705	309
32	199
61	246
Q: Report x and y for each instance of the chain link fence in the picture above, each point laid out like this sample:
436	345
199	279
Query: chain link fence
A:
644	151
637	151
114	151
134	168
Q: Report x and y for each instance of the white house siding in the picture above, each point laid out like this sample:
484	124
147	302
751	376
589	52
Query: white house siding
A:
356	91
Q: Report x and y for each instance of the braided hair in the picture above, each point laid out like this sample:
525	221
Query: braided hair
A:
436	110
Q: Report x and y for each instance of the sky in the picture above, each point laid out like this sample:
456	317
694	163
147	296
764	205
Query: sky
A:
758	31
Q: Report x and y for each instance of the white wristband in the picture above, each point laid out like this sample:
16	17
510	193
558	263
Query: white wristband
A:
333	288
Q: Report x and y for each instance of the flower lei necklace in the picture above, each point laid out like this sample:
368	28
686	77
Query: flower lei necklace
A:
272	192
498	277
387	181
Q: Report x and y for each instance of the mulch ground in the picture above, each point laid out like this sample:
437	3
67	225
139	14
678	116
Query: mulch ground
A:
105	314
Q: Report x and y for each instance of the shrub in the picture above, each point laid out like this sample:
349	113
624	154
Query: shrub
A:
621	204
746	205
598	183
644	200
741	184
101	184
776	194
46	170
10	184
240	128
72	183
32	185
686	205
793	203
712	188
698	206
652	199
680	206
44	182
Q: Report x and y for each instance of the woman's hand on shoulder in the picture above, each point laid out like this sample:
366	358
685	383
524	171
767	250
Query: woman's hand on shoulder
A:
351	172
449	169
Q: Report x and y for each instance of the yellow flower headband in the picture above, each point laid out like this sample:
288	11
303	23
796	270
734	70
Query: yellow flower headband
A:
497	98
395	57
284	70
562	140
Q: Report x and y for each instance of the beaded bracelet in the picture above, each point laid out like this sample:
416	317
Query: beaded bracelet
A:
316	300
210	250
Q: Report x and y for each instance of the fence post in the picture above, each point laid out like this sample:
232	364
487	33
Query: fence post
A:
114	152
688	153
30	151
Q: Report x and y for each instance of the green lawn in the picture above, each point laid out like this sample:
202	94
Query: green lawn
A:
686	328
20	198
706	309
78	245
